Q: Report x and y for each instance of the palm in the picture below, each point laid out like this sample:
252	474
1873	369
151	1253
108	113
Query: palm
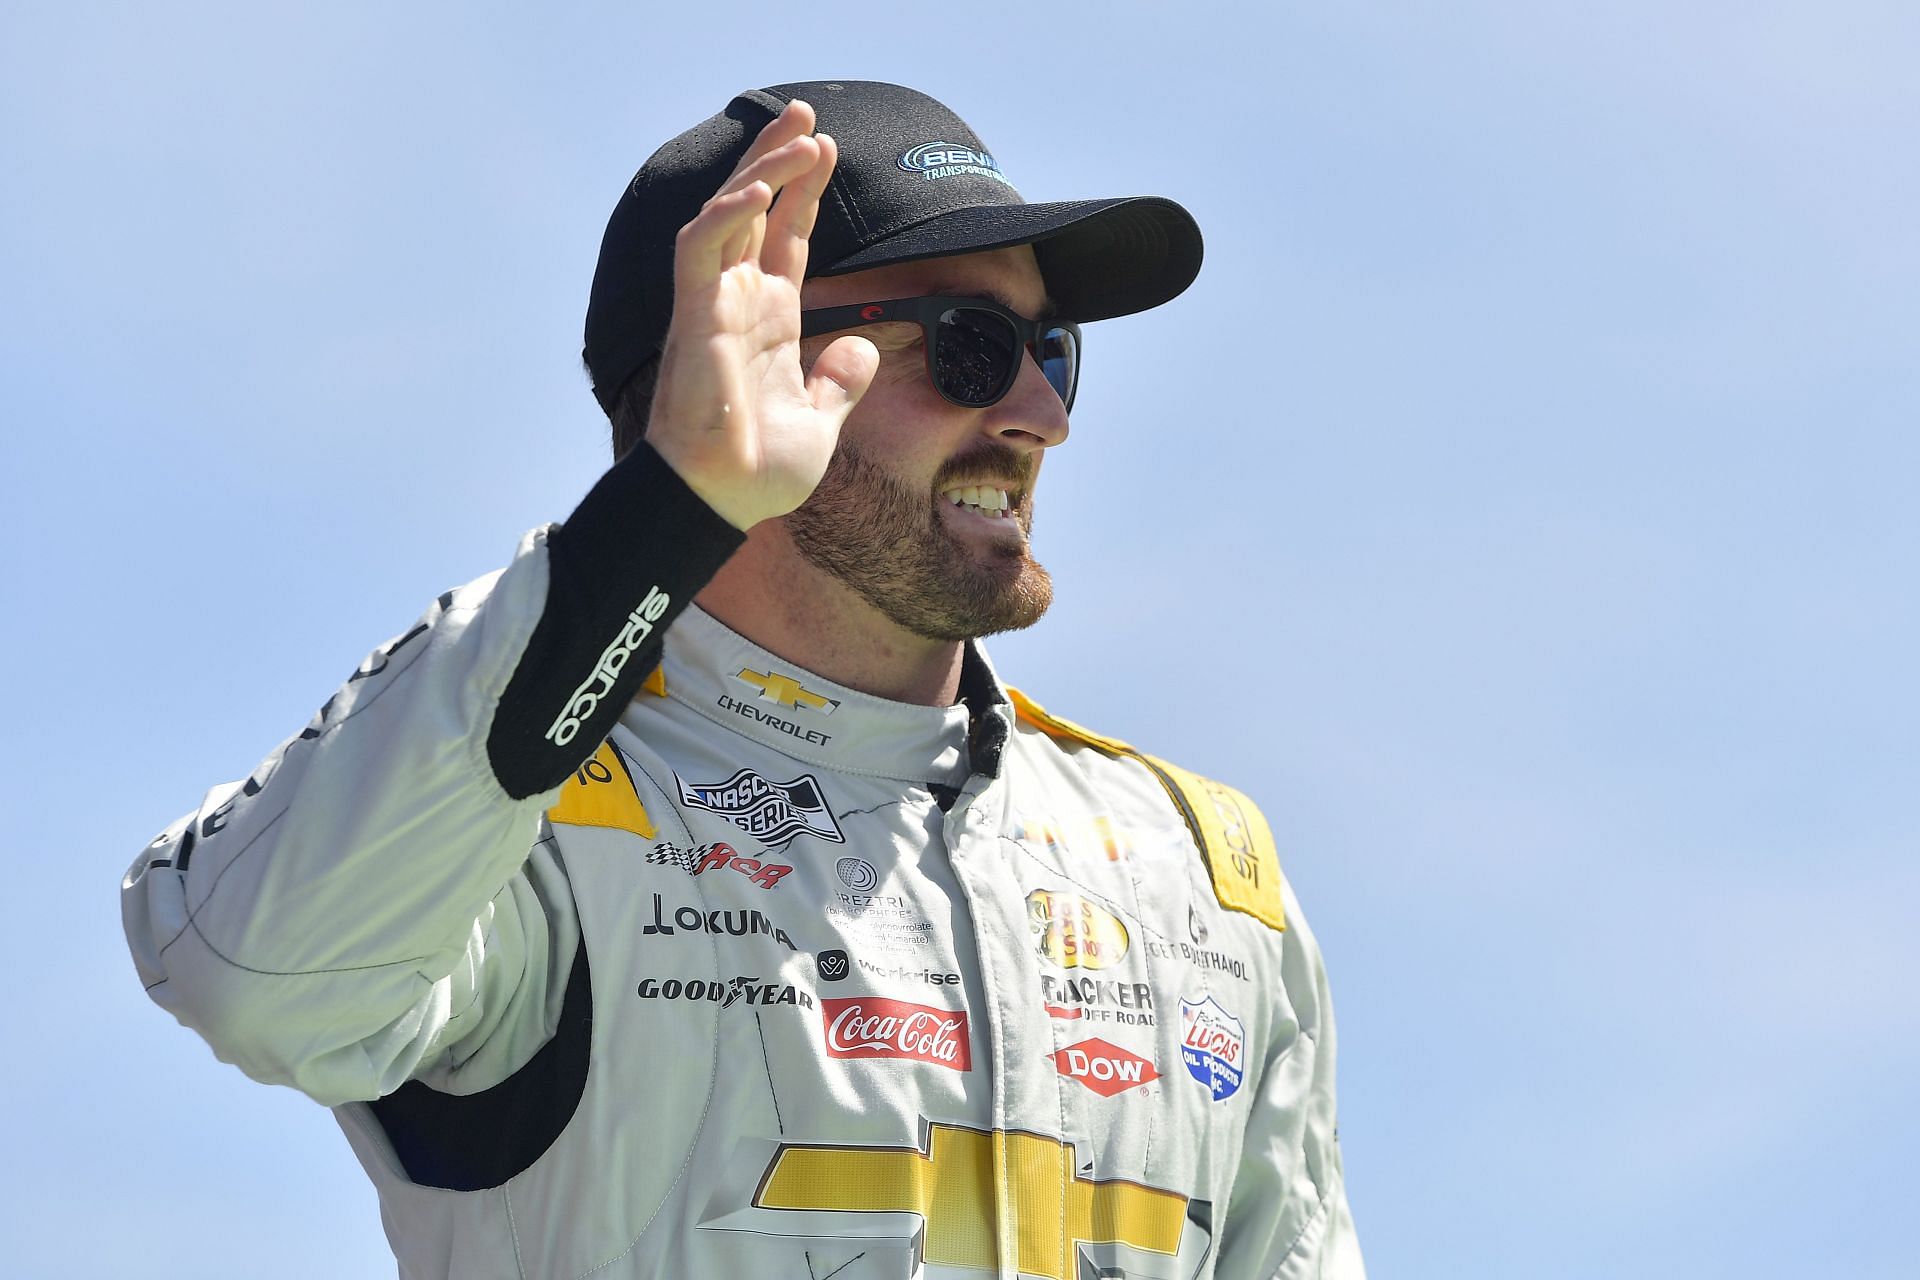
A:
733	412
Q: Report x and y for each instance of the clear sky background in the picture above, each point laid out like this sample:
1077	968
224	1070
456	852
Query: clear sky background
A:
1521	506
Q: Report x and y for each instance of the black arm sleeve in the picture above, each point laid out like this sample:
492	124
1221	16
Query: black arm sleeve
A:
622	567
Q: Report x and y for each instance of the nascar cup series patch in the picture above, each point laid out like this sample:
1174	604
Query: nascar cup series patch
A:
1213	1045
772	812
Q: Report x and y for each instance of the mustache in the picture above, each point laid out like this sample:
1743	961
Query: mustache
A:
989	458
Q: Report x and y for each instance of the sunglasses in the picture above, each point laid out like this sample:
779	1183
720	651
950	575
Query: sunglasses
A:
973	345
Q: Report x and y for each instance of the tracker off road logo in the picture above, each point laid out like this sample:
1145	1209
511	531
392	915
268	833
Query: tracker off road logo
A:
771	812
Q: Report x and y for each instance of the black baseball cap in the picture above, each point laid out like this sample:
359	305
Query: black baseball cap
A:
912	181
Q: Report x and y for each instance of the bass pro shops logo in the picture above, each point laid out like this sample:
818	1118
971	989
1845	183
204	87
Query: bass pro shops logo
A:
1075	932
771	812
1213	1046
876	1027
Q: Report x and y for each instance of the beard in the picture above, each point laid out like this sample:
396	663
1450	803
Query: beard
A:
884	538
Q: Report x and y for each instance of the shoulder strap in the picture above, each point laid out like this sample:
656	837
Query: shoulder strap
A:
1232	834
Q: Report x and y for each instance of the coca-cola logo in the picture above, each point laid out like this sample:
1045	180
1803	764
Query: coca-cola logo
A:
876	1027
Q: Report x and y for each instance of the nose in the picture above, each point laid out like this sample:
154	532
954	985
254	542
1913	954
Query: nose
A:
1031	415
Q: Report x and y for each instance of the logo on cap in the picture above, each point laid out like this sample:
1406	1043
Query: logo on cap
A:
935	160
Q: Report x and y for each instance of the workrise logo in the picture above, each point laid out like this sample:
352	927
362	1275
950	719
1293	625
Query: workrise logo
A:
717	857
771	812
785	691
908	973
1105	1068
832	965
613	658
876	1027
1213	1046
1075	932
739	924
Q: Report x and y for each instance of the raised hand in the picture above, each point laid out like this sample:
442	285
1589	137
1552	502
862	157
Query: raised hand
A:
732	412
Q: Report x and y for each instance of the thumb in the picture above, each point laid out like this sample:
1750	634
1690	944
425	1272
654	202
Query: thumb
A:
842	375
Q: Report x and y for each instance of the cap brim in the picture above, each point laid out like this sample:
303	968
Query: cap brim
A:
1100	258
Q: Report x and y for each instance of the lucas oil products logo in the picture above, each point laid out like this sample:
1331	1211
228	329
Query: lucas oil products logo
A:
936	160
1213	1046
1075	932
876	1027
1105	1068
771	812
717	857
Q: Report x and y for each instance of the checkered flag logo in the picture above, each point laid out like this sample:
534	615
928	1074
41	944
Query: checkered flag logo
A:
673	856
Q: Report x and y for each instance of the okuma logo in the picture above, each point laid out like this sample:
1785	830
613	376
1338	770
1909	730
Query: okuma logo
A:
935	160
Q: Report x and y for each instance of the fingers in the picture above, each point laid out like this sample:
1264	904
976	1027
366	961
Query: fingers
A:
724	226
842	375
790	224
729	229
794	122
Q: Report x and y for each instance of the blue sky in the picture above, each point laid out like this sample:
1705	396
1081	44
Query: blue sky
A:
1520	506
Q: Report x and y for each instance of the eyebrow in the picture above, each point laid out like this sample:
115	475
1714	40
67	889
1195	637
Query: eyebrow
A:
950	289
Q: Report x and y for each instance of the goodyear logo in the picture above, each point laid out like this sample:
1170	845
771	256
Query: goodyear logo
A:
936	160
1075	932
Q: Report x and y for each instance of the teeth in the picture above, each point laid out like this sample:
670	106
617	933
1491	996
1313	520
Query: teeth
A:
985	499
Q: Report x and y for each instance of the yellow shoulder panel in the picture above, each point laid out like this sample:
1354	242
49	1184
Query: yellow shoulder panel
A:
1037	716
1229	828
600	794
1236	839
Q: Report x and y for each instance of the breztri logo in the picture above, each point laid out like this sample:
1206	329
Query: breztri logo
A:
935	160
614	657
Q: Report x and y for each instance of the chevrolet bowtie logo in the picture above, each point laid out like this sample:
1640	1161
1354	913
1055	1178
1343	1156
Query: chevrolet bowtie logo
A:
1000	1202
786	691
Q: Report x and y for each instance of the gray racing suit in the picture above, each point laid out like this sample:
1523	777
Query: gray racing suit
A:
752	974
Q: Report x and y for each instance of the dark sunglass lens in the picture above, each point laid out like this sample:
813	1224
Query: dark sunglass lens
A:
973	356
1059	356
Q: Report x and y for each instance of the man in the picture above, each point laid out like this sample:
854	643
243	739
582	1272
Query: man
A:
767	933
